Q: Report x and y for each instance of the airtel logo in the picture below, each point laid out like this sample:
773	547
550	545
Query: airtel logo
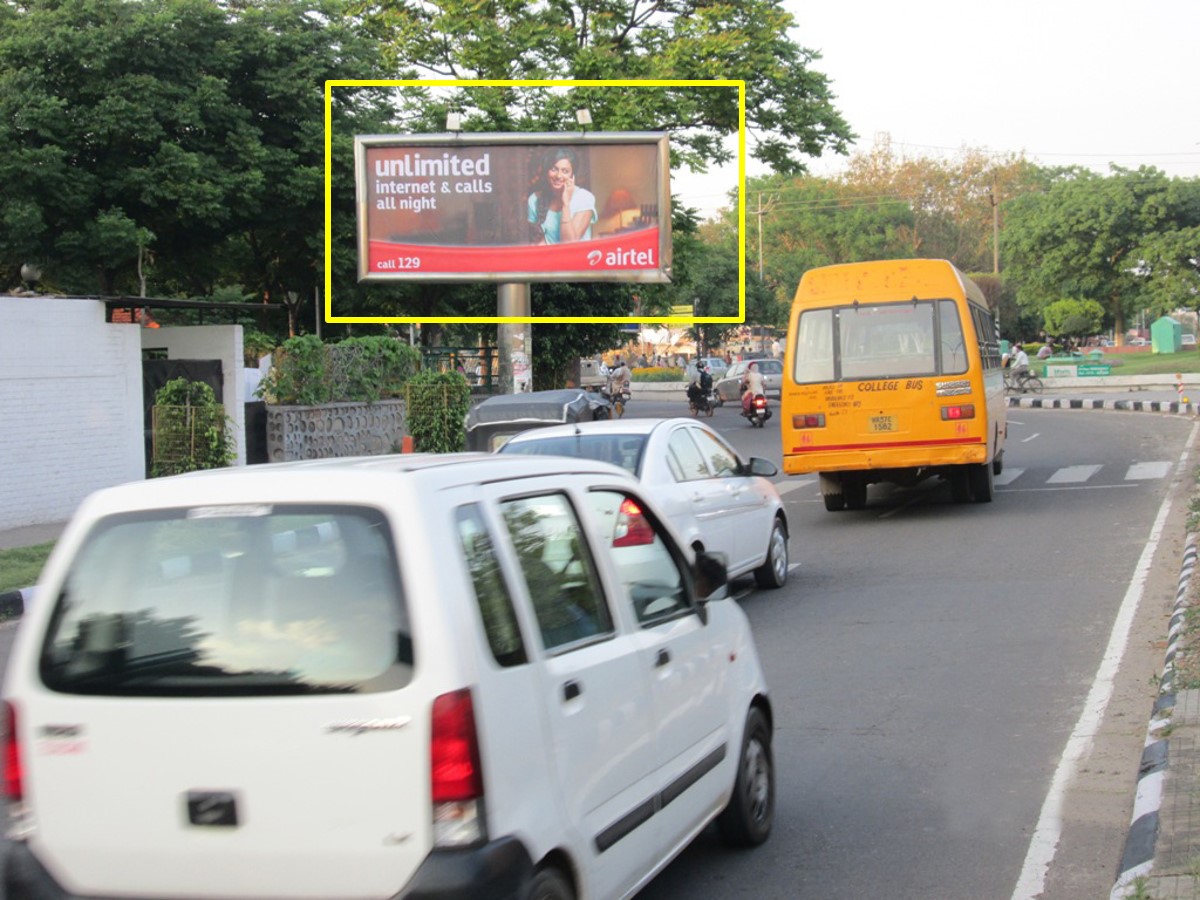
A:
594	258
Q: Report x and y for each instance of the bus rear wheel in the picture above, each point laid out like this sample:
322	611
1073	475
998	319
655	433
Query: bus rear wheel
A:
983	482
832	493
854	489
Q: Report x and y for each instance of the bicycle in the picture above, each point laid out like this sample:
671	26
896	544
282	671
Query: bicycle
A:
1025	383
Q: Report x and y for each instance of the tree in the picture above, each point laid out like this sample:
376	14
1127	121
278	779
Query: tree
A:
1088	236
951	201
789	108
1073	318
187	130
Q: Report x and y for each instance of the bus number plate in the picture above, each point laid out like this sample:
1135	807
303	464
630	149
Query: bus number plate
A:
883	423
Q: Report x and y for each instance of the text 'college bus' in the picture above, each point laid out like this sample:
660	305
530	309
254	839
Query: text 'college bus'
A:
892	373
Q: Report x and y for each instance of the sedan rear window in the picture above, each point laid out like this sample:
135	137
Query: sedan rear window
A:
624	450
249	600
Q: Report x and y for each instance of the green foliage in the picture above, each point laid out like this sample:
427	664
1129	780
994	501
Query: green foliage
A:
436	410
365	369
789	109
556	347
256	345
191	129
1117	239
1073	318
191	430
299	374
307	372
20	567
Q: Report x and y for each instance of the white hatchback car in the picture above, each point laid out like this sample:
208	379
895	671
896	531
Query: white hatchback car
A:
715	499
388	677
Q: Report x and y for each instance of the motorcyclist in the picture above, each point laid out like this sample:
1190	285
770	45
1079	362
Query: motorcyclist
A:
706	381
619	376
752	386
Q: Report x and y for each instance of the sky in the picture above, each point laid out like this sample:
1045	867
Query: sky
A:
1061	81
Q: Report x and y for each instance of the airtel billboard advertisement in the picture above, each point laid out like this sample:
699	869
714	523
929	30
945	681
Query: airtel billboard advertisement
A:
514	207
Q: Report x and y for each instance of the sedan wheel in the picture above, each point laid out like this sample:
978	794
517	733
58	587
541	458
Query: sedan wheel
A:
774	570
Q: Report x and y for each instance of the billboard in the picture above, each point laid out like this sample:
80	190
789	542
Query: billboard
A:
513	207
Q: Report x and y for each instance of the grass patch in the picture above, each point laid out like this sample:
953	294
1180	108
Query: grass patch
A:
1143	362
21	566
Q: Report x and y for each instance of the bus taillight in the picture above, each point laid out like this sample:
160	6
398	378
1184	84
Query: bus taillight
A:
808	420
965	411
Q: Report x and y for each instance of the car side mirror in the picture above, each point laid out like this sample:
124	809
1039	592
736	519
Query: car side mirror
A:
710	574
763	467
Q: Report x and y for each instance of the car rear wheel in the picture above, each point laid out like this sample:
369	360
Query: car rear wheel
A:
549	884
747	820
774	570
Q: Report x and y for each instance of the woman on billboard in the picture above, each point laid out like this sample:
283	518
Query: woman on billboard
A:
560	211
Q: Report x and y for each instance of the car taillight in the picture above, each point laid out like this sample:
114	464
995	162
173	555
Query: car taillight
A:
455	774
632	528
14	787
964	411
808	420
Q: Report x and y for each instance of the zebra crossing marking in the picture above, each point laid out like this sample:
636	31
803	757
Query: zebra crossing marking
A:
1073	474
1145	471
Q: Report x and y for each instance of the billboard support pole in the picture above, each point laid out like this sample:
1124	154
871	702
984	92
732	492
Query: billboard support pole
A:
514	340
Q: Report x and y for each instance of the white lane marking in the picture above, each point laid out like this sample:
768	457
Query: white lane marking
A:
1030	438
1147	471
1008	476
1072	474
793	567
1043	845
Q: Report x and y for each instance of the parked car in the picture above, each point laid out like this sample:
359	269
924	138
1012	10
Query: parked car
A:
716	367
493	421
395	676
715	499
729	387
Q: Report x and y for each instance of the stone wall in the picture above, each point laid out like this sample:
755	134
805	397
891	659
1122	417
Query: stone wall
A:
335	429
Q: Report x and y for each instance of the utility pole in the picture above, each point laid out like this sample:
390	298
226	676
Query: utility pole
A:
995	228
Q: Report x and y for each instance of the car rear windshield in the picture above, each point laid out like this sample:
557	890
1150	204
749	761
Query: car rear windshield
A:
221	600
624	450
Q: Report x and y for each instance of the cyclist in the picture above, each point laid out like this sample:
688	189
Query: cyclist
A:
1020	364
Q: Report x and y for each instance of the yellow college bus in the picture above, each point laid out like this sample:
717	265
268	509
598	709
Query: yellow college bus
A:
892	373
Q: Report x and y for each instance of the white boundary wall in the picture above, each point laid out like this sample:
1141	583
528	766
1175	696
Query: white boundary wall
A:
70	406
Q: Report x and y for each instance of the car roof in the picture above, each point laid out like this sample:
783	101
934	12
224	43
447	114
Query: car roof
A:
351	479
604	426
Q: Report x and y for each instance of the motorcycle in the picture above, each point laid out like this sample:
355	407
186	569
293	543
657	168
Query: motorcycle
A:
617	399
700	401
757	411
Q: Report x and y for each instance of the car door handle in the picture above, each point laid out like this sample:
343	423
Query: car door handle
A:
571	690
663	657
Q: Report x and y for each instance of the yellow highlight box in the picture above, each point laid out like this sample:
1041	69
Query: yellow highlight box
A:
622	320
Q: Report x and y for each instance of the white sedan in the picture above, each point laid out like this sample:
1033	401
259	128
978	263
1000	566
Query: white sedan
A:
718	501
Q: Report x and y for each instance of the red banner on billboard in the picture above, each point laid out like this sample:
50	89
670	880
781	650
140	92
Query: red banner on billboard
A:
632	251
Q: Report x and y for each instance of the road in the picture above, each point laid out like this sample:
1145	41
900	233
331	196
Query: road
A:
931	662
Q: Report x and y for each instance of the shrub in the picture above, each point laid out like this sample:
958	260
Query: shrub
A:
299	374
307	372
436	405
671	374
191	430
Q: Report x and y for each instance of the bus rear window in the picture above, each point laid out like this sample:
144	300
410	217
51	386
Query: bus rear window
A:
883	340
223	601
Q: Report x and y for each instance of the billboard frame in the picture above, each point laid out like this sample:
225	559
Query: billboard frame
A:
448	137
659	274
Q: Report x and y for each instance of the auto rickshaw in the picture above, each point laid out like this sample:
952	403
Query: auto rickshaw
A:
491	423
